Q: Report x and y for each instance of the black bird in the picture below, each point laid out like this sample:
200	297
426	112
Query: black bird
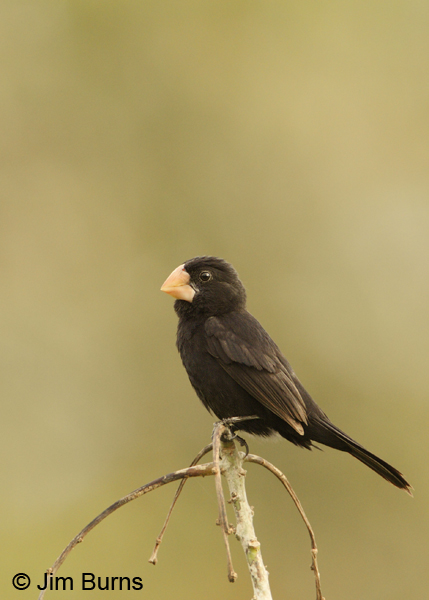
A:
237	370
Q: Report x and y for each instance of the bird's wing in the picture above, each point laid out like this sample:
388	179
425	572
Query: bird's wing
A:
248	354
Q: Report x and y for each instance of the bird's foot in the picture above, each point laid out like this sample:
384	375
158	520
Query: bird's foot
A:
232	425
242	442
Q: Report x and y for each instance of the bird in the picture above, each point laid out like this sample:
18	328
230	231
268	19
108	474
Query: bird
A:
237	370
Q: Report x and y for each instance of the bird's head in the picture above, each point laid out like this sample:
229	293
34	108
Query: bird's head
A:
205	285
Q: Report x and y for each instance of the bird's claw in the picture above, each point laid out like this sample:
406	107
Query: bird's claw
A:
242	442
231	424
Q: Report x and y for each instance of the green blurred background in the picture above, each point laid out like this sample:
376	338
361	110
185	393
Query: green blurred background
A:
290	138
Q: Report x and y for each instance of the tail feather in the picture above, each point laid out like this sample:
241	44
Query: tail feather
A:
380	466
334	437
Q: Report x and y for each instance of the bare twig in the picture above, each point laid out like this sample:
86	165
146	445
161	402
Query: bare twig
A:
195	471
314	567
219	429
227	461
154	557
232	469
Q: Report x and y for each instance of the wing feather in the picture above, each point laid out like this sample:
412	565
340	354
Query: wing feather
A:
248	354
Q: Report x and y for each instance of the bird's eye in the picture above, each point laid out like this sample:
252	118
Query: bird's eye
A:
205	276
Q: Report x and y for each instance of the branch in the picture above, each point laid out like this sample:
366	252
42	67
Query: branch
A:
195	471
154	557
314	567
231	466
219	429
228	462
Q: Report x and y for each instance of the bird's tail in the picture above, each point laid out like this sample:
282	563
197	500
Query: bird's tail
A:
334	437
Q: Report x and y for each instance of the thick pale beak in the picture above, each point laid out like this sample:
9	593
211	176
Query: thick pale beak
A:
177	285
